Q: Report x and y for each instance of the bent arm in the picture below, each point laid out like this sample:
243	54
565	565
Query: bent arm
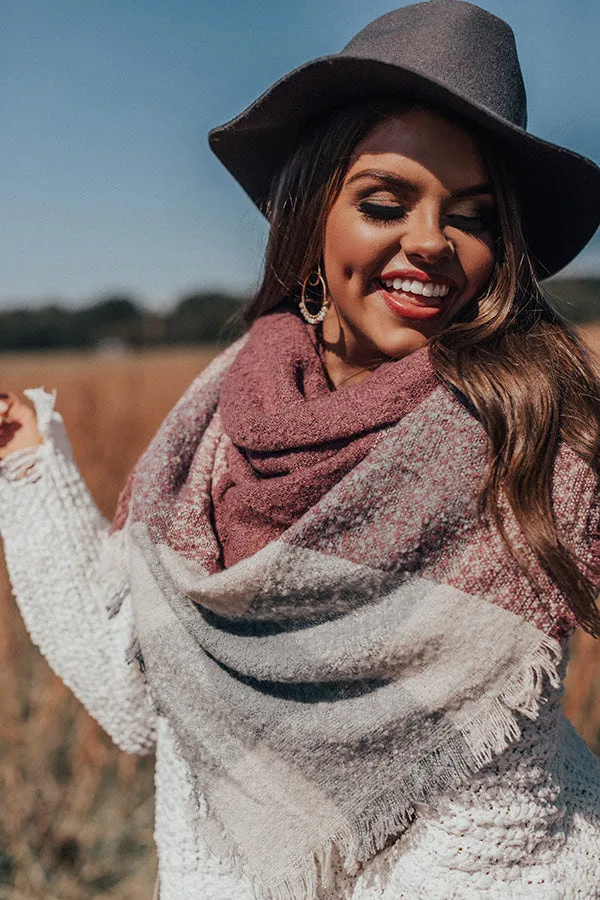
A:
70	581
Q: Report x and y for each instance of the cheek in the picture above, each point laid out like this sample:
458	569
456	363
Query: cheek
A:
351	249
478	263
353	255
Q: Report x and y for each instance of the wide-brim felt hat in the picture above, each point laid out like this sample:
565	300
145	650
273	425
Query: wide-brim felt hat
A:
453	55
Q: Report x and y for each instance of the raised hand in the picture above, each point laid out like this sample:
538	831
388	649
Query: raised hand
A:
18	424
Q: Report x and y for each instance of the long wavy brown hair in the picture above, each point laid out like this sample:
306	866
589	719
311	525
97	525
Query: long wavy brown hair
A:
524	368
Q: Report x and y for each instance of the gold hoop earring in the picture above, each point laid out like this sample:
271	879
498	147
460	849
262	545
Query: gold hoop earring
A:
310	283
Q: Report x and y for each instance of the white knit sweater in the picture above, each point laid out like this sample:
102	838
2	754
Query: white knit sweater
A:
527	826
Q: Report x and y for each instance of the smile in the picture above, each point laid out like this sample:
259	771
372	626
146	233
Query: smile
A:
418	300
418	288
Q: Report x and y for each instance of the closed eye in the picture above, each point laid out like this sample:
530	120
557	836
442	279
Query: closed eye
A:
381	212
387	212
472	223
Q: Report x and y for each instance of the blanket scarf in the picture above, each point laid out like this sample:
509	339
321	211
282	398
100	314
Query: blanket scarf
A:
332	632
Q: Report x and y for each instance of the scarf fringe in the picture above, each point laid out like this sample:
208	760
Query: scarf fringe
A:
116	601
488	734
135	656
522	695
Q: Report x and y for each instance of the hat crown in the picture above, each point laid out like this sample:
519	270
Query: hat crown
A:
461	46
451	54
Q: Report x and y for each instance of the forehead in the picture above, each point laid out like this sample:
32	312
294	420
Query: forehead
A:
424	142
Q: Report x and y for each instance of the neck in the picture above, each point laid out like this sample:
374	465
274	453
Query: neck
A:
342	373
347	360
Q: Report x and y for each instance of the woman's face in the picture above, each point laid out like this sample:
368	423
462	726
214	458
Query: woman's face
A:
409	241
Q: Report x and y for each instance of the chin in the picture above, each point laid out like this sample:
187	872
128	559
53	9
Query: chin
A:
399	342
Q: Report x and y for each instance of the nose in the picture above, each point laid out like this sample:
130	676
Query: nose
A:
424	238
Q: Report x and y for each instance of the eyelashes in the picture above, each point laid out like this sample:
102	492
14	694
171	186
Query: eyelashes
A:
381	213
473	223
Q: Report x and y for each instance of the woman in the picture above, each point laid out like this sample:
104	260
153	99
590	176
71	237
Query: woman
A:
349	563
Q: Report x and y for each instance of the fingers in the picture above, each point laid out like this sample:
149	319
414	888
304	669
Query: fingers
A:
6	402
18	424
14	408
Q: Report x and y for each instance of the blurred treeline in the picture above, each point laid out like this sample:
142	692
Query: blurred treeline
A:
198	318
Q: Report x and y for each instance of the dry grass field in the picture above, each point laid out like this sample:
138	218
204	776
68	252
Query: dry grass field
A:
77	814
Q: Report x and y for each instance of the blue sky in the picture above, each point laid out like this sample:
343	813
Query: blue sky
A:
106	180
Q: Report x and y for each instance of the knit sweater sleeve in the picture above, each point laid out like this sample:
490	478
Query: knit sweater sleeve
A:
70	581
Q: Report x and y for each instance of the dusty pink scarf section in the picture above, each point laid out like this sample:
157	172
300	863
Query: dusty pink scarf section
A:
292	436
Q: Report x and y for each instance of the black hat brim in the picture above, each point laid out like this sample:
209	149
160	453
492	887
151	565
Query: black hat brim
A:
558	188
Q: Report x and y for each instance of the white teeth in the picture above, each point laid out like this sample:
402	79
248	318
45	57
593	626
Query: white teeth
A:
428	289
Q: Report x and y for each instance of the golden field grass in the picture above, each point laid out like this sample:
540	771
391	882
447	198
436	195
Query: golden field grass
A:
76	816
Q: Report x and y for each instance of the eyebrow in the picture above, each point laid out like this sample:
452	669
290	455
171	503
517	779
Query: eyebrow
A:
396	181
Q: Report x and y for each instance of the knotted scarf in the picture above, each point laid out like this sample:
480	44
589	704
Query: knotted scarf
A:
292	437
332	632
